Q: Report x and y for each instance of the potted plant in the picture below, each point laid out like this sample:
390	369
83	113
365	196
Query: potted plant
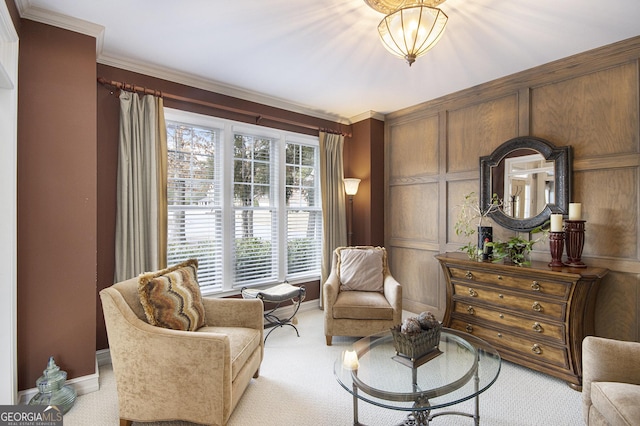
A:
516	249
470	217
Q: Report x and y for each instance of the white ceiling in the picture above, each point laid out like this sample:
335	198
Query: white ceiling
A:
324	57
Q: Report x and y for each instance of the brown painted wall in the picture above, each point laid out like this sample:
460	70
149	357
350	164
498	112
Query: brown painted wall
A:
364	159
56	202
107	137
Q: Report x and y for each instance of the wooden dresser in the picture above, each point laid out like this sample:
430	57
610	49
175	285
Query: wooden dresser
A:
533	315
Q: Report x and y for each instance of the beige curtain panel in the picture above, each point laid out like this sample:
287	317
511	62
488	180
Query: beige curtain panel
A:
141	221
333	200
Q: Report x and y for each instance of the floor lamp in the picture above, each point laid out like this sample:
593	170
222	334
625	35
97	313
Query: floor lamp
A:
351	189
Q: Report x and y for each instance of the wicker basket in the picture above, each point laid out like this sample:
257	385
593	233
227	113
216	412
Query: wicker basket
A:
416	345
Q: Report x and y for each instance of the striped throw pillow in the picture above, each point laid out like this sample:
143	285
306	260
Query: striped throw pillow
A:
171	298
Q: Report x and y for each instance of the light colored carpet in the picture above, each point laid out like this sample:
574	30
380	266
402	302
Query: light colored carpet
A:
297	387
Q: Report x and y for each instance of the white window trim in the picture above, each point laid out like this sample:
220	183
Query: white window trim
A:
227	130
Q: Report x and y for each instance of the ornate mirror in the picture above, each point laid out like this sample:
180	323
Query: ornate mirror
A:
531	176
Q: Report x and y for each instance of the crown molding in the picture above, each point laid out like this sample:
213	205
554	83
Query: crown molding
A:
213	86
366	115
62	21
97	31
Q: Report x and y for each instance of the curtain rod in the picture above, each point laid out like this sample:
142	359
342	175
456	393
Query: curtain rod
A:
257	117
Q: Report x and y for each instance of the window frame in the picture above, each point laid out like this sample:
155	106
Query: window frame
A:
227	129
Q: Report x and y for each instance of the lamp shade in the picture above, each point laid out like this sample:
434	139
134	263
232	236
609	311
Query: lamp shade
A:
411	31
351	185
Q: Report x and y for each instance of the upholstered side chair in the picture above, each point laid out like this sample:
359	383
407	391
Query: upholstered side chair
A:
610	382
167	374
361	297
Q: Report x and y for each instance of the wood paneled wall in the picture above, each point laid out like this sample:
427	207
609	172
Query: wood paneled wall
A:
589	101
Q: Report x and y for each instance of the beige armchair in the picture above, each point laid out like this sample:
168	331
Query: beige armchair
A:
610	382
196	376
360	295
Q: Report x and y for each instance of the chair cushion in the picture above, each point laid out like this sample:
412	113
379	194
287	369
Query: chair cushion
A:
365	305
361	269
619	403
171	297
242	341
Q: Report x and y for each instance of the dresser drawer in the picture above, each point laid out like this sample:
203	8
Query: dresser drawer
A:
532	285
514	302
504	320
533	349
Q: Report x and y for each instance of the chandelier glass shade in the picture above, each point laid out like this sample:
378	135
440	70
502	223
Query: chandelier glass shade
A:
388	6
412	30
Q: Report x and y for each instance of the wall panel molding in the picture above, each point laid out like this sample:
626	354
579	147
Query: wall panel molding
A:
614	161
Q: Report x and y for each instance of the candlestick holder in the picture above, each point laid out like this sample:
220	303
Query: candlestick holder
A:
556	246
574	238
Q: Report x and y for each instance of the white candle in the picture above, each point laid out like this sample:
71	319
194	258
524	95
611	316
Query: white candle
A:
350	360
556	223
575	211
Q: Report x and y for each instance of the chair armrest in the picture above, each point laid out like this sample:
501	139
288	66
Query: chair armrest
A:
330	290
607	360
393	294
222	312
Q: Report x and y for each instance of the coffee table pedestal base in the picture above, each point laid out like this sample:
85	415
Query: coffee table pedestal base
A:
423	417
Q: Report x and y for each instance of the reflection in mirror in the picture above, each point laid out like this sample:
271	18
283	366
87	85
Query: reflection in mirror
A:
529	183
532	177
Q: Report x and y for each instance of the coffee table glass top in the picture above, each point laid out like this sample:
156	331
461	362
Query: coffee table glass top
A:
466	367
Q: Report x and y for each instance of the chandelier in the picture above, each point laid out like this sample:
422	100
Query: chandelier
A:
410	27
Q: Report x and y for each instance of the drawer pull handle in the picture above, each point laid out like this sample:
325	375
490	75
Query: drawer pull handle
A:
537	327
500	335
535	286
501	296
500	277
470	310
469	275
501	316
469	328
536	349
473	293
537	307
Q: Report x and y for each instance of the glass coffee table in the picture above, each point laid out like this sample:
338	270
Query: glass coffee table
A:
460	369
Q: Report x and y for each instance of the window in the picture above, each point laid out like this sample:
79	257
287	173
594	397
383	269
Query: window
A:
304	212
244	200
255	210
194	200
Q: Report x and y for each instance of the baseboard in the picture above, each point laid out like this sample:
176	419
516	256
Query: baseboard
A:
83	385
103	357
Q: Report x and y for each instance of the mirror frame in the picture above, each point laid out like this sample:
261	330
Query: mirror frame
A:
563	172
